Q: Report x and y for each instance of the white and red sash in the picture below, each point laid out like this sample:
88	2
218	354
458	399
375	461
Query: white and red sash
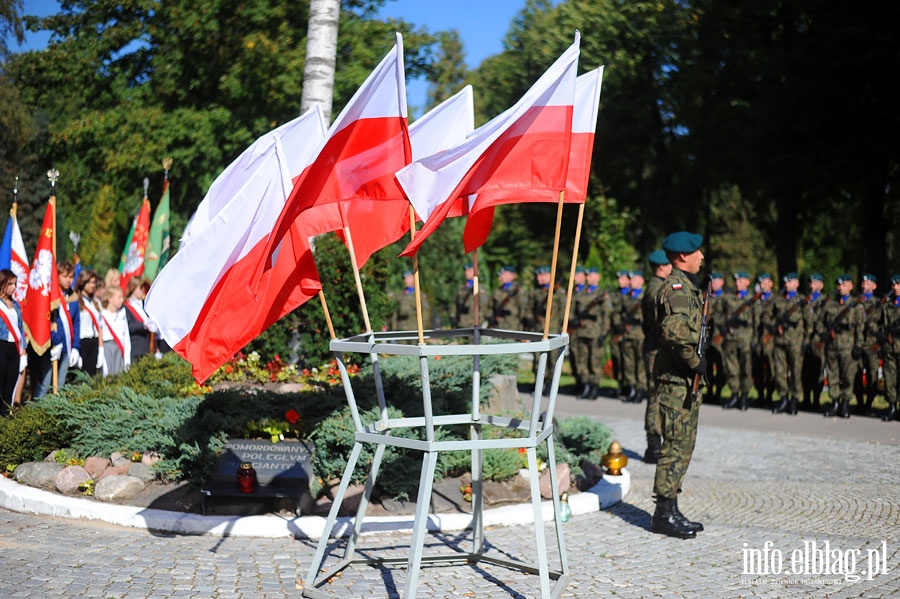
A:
20	343
90	311
115	337
67	325
134	312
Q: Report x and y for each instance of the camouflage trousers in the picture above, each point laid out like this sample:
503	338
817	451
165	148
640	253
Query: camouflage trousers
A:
679	433
891	368
813	371
841	369
738	365
588	357
652	425
869	364
788	362
633	373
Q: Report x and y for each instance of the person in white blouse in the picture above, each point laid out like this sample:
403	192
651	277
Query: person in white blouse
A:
116	338
89	317
12	340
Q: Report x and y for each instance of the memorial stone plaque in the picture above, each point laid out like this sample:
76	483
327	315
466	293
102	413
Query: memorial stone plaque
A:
288	461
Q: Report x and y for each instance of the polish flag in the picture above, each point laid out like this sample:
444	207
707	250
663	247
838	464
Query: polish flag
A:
200	300
584	124
13	256
351	184
521	155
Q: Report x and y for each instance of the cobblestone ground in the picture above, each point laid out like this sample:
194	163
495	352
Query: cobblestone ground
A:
752	490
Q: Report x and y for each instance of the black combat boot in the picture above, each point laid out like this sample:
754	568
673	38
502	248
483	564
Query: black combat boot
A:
595	392
845	408
585	391
695	526
867	409
832	409
781	406
654	444
732	401
891	413
665	521
792	406
745	401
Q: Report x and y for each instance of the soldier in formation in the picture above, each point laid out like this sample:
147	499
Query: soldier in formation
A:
590	321
840	329
661	266
508	304
813	370
788	327
404	317
617	330
630	318
764	344
889	320
716	374
464	312
739	317
866	380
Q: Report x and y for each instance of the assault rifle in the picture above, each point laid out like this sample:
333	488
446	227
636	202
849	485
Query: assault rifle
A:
733	320
782	324
624	327
500	311
832	330
701	347
585	313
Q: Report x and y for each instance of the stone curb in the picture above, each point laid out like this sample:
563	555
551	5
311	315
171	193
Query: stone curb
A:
29	500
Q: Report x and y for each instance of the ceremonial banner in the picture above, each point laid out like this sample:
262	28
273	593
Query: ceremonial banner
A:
132	262
201	300
158	244
13	256
584	125
42	295
521	155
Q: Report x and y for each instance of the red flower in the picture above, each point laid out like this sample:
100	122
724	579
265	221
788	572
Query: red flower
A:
228	369
292	416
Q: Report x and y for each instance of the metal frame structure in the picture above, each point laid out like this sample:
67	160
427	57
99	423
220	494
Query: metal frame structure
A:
536	429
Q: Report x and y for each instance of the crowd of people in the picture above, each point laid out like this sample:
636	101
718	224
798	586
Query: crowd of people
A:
99	328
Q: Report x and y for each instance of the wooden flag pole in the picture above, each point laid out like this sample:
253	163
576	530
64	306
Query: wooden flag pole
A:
559	211
415	260
348	237
565	326
476	320
53	175
327	313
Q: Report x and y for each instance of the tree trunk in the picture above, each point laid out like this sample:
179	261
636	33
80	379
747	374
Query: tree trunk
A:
875	223
321	53
786	232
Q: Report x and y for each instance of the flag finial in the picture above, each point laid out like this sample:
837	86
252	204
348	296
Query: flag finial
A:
166	164
146	186
53	175
75	238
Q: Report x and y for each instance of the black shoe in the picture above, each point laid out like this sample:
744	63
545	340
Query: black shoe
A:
745	402
585	391
732	402
831	410
546	389
595	392
654	444
632	394
695	526
891	413
845	408
792	406
665	521
781	406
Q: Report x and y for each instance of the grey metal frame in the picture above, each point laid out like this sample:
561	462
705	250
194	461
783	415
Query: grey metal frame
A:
538	428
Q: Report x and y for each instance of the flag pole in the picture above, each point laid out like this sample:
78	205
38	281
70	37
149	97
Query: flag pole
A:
20	382
565	326
415	260
348	237
327	313
477	322
53	176
559	211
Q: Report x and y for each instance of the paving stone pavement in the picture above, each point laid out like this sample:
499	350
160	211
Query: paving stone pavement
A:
752	488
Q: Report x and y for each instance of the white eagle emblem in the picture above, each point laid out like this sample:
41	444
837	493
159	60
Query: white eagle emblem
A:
41	272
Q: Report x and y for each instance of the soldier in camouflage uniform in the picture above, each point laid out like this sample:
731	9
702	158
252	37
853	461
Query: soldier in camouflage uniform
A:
866	383
589	319
508	302
738	327
661	266
579	283
813	373
763	364
890	346
716	374
788	311
840	327
464	314
404	317
536	313
616	298
634	376
679	310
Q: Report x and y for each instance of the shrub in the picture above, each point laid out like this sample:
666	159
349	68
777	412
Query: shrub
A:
501	464
28	435
584	438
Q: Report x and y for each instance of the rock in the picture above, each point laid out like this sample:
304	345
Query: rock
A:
95	465
39	474
592	473
504	395
150	458
118	488
114	471
142	473
51	457
69	478
563	475
515	490
119	458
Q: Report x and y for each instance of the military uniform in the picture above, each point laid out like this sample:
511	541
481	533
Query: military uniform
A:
634	376
616	300
464	313
507	307
813	370
404	317
589	318
738	330
866	383
840	327
763	357
716	373
789	329
889	318
650	324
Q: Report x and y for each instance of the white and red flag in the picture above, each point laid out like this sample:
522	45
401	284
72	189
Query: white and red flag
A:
132	262
13	256
43	294
521	155
584	125
351	182
201	300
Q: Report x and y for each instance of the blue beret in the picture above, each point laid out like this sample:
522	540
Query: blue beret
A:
507	268
742	274
843	278
591	269
636	273
895	279
816	276
683	242
791	276
579	269
658	257
621	273
869	277
764	275
716	275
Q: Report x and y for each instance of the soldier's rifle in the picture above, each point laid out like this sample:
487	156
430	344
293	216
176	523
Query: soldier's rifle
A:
701	347
585	313
500	311
630	313
887	333
832	329
734	319
782	323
